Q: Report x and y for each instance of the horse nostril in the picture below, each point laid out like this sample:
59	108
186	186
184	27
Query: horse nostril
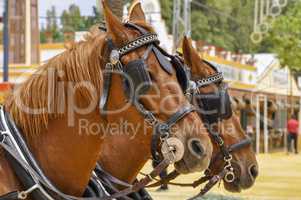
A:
253	170
196	147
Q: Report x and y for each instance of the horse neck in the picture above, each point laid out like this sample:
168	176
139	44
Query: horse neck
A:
66	154
125	153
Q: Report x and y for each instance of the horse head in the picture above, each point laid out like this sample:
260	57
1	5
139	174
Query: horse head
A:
148	85
231	146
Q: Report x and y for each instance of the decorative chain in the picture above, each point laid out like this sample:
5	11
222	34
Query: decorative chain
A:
139	42
212	79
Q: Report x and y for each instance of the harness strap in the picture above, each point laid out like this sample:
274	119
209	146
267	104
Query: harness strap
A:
240	145
138	28
161	130
213	181
10	196
25	166
173	175
107	76
102	173
34	182
142	183
179	115
235	147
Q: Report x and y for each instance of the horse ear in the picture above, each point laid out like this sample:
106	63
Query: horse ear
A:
136	12
115	27
193	59
189	53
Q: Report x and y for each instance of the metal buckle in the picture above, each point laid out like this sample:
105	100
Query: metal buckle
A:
151	119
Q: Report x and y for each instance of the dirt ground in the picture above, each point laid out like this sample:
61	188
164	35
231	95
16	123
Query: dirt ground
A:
279	179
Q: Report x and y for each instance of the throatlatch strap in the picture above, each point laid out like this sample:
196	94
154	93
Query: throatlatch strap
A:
107	75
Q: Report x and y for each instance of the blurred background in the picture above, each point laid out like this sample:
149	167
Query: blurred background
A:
255	43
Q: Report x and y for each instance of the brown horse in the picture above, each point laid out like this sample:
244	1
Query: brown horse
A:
110	152
56	109
244	160
115	151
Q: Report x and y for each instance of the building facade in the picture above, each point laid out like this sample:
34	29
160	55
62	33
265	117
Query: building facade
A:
24	35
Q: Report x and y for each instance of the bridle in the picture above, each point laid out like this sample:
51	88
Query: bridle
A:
218	102
222	104
138	75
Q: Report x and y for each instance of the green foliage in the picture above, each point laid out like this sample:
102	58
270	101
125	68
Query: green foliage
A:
71	21
284	39
226	23
94	19
167	9
51	20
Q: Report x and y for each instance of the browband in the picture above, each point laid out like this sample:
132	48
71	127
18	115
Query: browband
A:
137	43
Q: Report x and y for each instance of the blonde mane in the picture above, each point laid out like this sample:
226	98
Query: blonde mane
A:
80	62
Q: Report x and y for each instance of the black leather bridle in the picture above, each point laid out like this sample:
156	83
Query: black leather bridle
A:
220	104
212	108
138	75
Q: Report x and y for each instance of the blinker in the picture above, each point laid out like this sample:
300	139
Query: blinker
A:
164	62
214	105
138	76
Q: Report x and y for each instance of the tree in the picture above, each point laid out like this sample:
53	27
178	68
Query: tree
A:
72	20
51	21
52	32
94	19
226	23
166	11
284	38
66	21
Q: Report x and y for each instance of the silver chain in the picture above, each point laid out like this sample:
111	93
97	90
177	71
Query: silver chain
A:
138	43
210	80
